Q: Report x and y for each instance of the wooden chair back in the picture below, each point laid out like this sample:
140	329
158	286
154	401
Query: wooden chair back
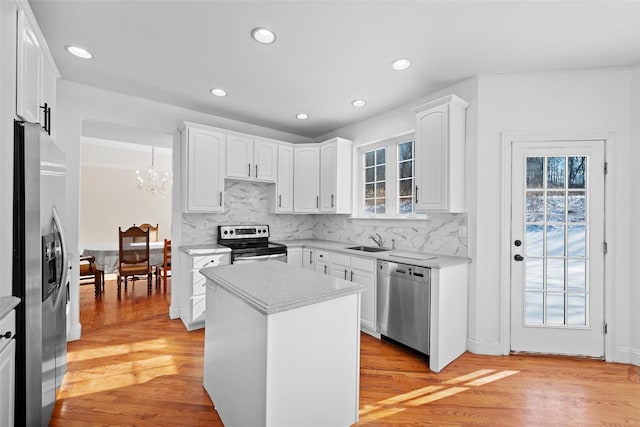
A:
165	268
153	231
133	254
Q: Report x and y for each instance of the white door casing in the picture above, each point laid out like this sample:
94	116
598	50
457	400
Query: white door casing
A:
557	237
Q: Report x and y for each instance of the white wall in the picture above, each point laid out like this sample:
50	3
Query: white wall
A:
109	197
577	102
79	105
634	300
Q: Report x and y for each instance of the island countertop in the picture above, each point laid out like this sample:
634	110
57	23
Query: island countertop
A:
272	287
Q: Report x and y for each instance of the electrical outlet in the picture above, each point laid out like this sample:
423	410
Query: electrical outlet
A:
462	231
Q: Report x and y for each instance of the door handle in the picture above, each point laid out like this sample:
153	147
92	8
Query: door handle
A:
317	201
256	170
518	257
249	168
325	269
280	200
220	198
332	200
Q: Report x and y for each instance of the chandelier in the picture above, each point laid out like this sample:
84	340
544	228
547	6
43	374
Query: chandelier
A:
155	183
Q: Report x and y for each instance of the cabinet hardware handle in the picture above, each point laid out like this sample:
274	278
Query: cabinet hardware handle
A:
256	170
221	198
310	257
280	200
416	194
47	117
317	201
345	274
352	276
518	257
332	200
325	269
6	335
249	170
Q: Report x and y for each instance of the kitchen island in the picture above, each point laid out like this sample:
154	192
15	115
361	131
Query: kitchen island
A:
282	346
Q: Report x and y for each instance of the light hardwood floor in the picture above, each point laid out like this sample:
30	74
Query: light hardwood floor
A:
136	367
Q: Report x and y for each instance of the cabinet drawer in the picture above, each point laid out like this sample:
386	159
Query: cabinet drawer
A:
199	283
198	304
210	260
366	264
341	259
323	256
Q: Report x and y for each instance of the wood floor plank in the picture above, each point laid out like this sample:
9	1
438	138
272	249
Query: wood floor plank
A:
136	367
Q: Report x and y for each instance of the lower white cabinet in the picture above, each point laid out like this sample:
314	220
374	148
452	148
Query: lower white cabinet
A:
196	292
7	369
361	271
294	256
323	262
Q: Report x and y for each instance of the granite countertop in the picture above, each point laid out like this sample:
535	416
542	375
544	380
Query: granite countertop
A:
272	287
7	304
414	258
209	249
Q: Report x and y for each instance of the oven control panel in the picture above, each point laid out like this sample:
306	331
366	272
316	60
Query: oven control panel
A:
229	232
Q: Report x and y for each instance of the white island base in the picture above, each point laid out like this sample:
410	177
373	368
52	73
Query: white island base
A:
298	367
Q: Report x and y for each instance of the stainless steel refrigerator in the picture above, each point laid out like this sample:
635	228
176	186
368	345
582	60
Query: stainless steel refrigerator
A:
40	268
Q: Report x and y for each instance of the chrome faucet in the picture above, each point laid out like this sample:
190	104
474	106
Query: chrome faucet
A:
377	239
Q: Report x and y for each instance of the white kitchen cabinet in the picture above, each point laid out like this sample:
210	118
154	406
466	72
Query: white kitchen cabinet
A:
440	155
195	293
362	271
335	176
251	158
203	164
7	369
323	262
36	73
308	258
306	182
283	202
294	256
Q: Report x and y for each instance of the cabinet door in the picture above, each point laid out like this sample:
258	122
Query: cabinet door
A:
29	63
294	256
203	166
340	271
367	298
7	383
328	177
48	95
306	183
239	157
265	160
284	183
308	260
432	158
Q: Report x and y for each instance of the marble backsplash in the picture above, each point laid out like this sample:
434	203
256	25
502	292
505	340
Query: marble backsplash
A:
248	203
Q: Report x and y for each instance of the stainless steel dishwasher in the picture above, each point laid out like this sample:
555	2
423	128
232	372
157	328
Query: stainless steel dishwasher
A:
404	301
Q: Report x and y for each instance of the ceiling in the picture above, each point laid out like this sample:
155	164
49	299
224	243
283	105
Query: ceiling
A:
327	53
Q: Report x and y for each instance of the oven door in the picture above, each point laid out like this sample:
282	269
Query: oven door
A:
245	259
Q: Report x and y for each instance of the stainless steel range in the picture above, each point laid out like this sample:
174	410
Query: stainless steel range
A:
250	243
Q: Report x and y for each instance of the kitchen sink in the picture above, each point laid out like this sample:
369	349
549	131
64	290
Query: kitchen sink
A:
368	249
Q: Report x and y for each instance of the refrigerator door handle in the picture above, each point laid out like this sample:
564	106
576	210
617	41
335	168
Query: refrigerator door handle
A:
65	261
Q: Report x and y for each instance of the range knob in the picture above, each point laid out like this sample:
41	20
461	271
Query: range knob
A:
230	231
259	231
226	232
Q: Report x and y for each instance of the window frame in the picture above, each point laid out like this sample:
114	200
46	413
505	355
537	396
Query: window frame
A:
392	180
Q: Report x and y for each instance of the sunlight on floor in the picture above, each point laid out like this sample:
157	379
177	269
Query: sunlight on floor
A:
422	396
114	350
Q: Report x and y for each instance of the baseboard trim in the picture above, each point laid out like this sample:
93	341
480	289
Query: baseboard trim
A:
486	348
635	356
174	312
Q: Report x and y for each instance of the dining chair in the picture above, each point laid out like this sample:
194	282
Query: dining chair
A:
165	267
153	231
89	274
133	255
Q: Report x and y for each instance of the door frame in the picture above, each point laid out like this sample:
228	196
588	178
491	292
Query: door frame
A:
507	139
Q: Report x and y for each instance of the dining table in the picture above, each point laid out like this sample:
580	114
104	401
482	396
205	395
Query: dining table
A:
107	257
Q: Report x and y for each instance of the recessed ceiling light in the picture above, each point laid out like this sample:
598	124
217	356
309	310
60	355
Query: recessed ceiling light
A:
401	64
79	52
218	92
358	102
263	35
302	116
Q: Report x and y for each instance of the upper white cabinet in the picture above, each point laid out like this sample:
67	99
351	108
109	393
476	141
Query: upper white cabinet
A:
335	176
440	154
36	74
306	182
251	158
203	150
284	183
